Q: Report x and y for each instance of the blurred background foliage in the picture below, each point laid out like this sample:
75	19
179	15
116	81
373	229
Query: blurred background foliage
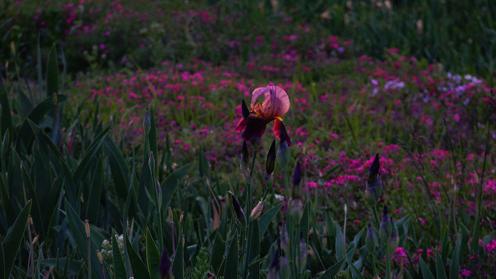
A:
459	34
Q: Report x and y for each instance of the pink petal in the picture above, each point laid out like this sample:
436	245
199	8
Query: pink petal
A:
276	101
257	93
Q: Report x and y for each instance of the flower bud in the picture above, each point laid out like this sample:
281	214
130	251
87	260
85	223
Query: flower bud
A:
374	182
238	210
87	228
215	216
284	139
257	210
297	174
271	159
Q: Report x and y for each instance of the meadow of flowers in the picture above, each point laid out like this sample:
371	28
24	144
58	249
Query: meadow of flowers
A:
242	140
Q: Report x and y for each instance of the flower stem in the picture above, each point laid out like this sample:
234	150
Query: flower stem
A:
247	209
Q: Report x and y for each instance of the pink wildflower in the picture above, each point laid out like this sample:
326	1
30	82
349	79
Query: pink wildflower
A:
465	273
490	186
312	184
400	256
491	246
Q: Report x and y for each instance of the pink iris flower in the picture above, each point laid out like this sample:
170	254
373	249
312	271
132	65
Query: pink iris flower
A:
274	106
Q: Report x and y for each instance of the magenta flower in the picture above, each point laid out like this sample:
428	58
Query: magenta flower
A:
491	246
312	184
465	273
490	186
400	256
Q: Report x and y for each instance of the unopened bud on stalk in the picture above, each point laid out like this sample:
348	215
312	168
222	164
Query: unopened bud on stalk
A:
240	214
215	216
257	210
374	182
285	140
297	174
87	228
271	159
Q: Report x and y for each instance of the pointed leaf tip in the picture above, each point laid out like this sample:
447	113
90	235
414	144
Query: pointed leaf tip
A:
375	167
283	133
245	110
271	159
238	210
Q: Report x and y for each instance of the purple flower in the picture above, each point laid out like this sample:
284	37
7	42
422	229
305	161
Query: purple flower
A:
312	184
491	246
400	256
465	273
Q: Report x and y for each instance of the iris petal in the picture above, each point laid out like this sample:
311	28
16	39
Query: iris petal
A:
275	104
